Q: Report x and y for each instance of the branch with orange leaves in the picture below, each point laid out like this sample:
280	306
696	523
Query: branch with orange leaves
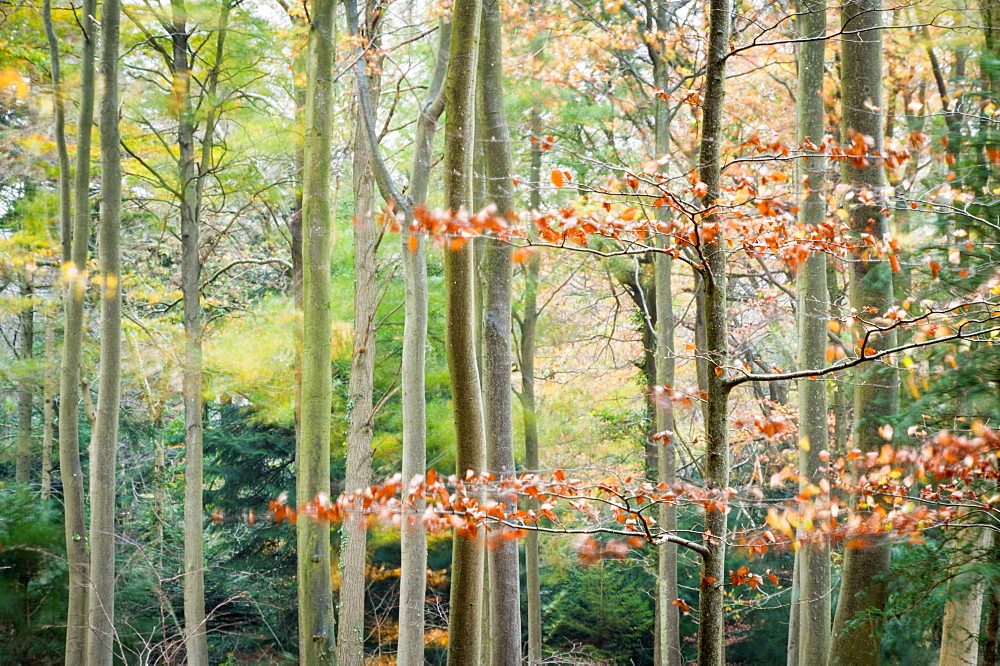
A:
869	354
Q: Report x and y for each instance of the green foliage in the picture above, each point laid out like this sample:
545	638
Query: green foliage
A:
607	608
32	578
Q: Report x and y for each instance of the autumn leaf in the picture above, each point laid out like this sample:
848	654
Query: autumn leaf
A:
557	178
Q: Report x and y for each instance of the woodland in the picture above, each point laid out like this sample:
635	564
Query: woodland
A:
478	332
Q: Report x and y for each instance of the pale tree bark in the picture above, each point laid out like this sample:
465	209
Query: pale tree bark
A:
65	236
48	409
963	608
59	134
529	408
316	624
413	539
351	625
464	640
195	638
794	611
25	394
668	638
813	557
711	629
504	569
104	439
75	285
857	625
191	175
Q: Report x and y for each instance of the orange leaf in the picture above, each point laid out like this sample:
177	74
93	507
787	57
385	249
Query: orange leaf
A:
894	262
629	214
412	243
520	254
557	178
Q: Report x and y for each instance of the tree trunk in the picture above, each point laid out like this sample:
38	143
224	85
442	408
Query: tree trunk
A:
504	569
75	286
529	323
668	638
813	557
963	608
25	395
104	439
195	637
464	640
858	623
65	238
795	611
711	629
413	539
48	410
351	628
59	133
316	627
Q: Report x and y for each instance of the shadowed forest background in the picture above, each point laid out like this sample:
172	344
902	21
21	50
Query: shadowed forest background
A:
469	332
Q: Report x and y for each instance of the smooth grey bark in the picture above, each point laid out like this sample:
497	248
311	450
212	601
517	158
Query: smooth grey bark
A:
25	394
65	236
668	638
316	622
59	134
529	408
497	271
48	408
464	641
195	638
857	625
361	385
413	539
711	630
104	438
74	289
813	557
963	608
795	612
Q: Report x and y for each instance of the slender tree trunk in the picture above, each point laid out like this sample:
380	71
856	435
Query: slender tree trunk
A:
813	557
464	640
195	637
104	439
668	623
25	395
48	410
963	608
857	626
795	611
413	539
668	638
504	569
529	324
75	286
351	628
711	630
316	624
59	133
65	236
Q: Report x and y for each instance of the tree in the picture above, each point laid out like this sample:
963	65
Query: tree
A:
104	439
75	281
497	269
316	623
858	622
351	639
813	559
465	603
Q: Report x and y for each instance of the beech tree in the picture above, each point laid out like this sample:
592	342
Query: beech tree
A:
316	621
104	439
